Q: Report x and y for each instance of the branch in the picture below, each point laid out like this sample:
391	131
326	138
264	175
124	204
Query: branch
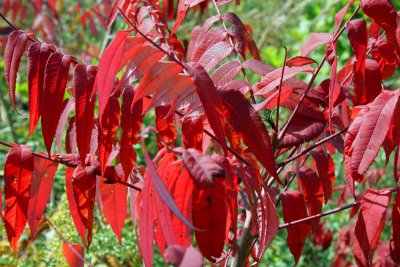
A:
279	94
315	74
326	139
323	214
60	161
65	240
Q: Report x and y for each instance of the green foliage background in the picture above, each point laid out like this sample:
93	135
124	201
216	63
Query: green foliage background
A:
275	24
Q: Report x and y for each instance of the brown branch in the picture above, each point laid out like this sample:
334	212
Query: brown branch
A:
315	74
326	139
72	165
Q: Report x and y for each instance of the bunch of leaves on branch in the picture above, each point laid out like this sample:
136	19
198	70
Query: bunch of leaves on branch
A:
210	193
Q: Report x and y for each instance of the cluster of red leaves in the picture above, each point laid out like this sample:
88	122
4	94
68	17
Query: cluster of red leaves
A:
202	92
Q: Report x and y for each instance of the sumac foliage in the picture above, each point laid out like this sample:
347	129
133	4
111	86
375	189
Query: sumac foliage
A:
210	192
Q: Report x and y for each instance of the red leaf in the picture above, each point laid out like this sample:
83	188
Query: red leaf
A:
272	79
299	61
192	132
183	7
55	81
326	171
202	168
84	189
210	216
17	181
42	183
84	77
114	201
372	132
206	38
226	73
369	225
108	68
38	54
70	254
358	38
146	223
316	39
107	131
131	124
395	236
182	256
73	208
215	55
161	74
13	52
313	193
165	126
340	15
294	208
247	122
210	99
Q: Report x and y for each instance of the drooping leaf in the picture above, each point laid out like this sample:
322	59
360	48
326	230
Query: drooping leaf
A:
108	68
202	168
84	189
313	193
210	99
84	77
13	52
42	183
38	54
192	132
131	124
17	181
107	131
395	235
206	38
165	126
73	209
294	208
55	81
248	123
370	223
210	217
358	37
326	171
68	106
70	254
215	55
114	201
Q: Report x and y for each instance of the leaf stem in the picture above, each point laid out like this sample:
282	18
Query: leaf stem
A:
279	93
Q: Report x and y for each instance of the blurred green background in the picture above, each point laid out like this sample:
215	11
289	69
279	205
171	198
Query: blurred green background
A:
275	24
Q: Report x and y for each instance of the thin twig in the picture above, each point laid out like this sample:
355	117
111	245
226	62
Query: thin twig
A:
308	149
279	93
65	240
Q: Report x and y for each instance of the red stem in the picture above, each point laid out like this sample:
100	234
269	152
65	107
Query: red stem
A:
279	94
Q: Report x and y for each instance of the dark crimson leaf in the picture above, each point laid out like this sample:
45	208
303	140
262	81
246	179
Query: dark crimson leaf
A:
165	126
299	61
210	99
326	171
248	123
192	132
202	168
294	208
